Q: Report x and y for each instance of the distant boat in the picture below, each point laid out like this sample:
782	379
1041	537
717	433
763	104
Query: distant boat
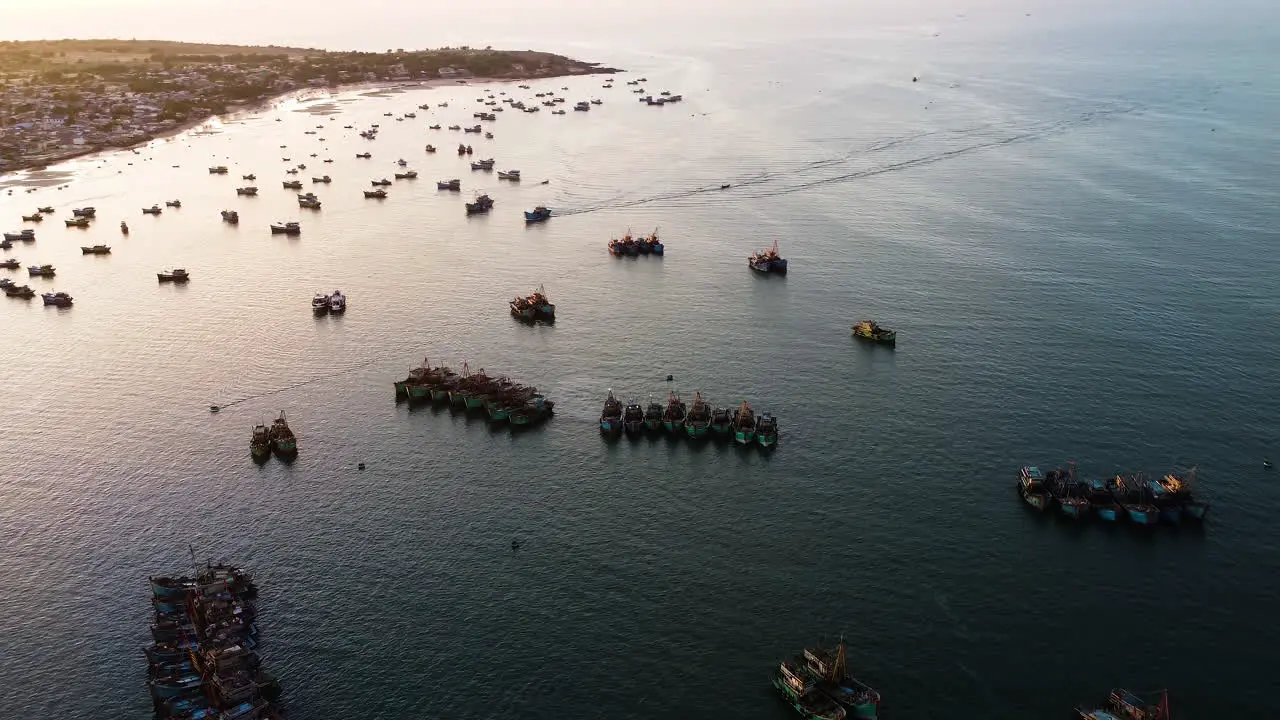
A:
250	177
431	148
539	214
251	190
378	194
768	261
482	165
230	216
482	204
85	212
380	183
411	175
176	275
325	179
96	250
365	156
633	418
1031	485
320	304
218	170
509	175
153	210
27	235
41	271
37	217
454	185
124	228
292	184
611	416
337	302
59	299
173	203
870	331
288	228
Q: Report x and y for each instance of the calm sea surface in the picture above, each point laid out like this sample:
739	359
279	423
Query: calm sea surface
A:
1070	218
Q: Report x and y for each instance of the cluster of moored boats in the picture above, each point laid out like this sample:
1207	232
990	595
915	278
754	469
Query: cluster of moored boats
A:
202	661
1127	705
697	420
325	303
817	683
633	246
768	261
500	398
534	307
277	438
1136	498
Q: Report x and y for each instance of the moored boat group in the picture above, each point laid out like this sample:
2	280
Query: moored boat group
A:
631	246
698	420
498	397
1135	498
818	685
275	438
202	662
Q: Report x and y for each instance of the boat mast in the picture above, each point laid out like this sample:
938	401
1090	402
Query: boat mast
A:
838	670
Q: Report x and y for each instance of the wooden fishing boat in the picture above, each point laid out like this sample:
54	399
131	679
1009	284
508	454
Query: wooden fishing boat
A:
482	204
611	416
1102	503
230	216
153	210
249	191
260	443
410	175
830	675
633	418
674	413
1071	497
283	442
173	203
378	194
286	228
58	299
95	250
454	185
27	235
868	330
1179	486
722	421
744	424
539	214
176	275
80	222
766	430
653	414
768	261
697	422
1127	705
1032	487
1134	496
35	218
41	271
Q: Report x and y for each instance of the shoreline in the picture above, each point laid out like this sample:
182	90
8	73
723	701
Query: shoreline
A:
13	178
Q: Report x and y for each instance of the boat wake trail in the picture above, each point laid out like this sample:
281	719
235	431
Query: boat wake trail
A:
929	148
277	391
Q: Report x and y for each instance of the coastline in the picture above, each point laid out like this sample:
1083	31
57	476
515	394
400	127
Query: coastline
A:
14	177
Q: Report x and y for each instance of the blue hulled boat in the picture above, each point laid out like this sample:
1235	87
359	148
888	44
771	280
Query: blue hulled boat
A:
171	587
744	424
1101	501
175	685
1134	496
1170	506
611	416
1031	485
1178	487
1071	496
539	214
768	261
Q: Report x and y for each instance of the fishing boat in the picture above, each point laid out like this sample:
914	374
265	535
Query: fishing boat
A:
250	191
286	228
58	299
95	250
11	264
380	183
633	418
1071	497
27	235
744	424
124	228
654	245
1169	506
1032	487
80	222
482	204
260	443
218	170
19	291
292	184
721	421
337	302
513	175
323	179
1127	705
411	175
433	127
621	246
283	441
176	275
766	430
1179	487
674	413
1101	502
653	414
539	214
309	201
378	194
230	216
697	422
798	688
583	106
611	416
153	210
482	164
173	203
41	271
534	307
320	304
768	261
868	330
1133	494
830	674
35	218
249	177
364	156
85	212
46	210
454	185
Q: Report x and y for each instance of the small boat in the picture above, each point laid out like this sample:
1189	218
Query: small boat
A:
250	177
582	106
430	148
230	216
455	127
309	201
378	194
1071	497
488	136
250	190
766	430
37	217
124	228
325	179
288	228
1031	486
1101	502
291	171
654	245
597	101
799	688
10	264
402	162
411	175
260	443
85	212
46	210
292	184
365	156
218	170
6	244
320	304
697	422
283	441
721	421
534	307
558	112
153	210
469	150
768	261
433	127
870	331
455	185
474	129
633	418
96	250
539	214
744	424
80	222
1126	705
57	299
509	175
482	204
41	271
674	414
19	291
611	416
337	302
380	183
176	275
482	165
1178	486
27	235
173	203
1134	496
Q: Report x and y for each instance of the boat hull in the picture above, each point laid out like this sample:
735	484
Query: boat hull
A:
697	430
1143	516
286	450
440	395
419	392
1107	513
456	398
610	427
497	413
402	388
1038	501
260	453
744	437
1195	510
473	403
767	439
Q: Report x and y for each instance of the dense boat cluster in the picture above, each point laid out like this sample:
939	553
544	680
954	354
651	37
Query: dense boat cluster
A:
275	438
1127	705
533	308
817	683
633	246
698	420
1136	498
202	661
768	261
501	399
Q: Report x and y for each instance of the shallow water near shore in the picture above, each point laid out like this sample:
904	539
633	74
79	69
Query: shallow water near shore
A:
1072	229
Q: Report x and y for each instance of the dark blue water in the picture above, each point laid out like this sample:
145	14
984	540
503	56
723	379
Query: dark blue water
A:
1069	218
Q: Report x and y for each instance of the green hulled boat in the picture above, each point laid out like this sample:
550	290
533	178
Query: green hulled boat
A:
473	402
830	672
744	424
801	692
440	394
402	388
697	423
283	441
653	415
722	421
497	410
766	430
260	443
673	416
418	391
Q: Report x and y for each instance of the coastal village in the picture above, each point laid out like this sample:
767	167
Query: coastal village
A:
61	99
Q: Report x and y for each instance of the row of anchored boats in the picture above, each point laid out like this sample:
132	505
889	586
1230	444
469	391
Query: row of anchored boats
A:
632	246
276	438
324	303
202	661
1137	498
696	421
818	684
500	398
